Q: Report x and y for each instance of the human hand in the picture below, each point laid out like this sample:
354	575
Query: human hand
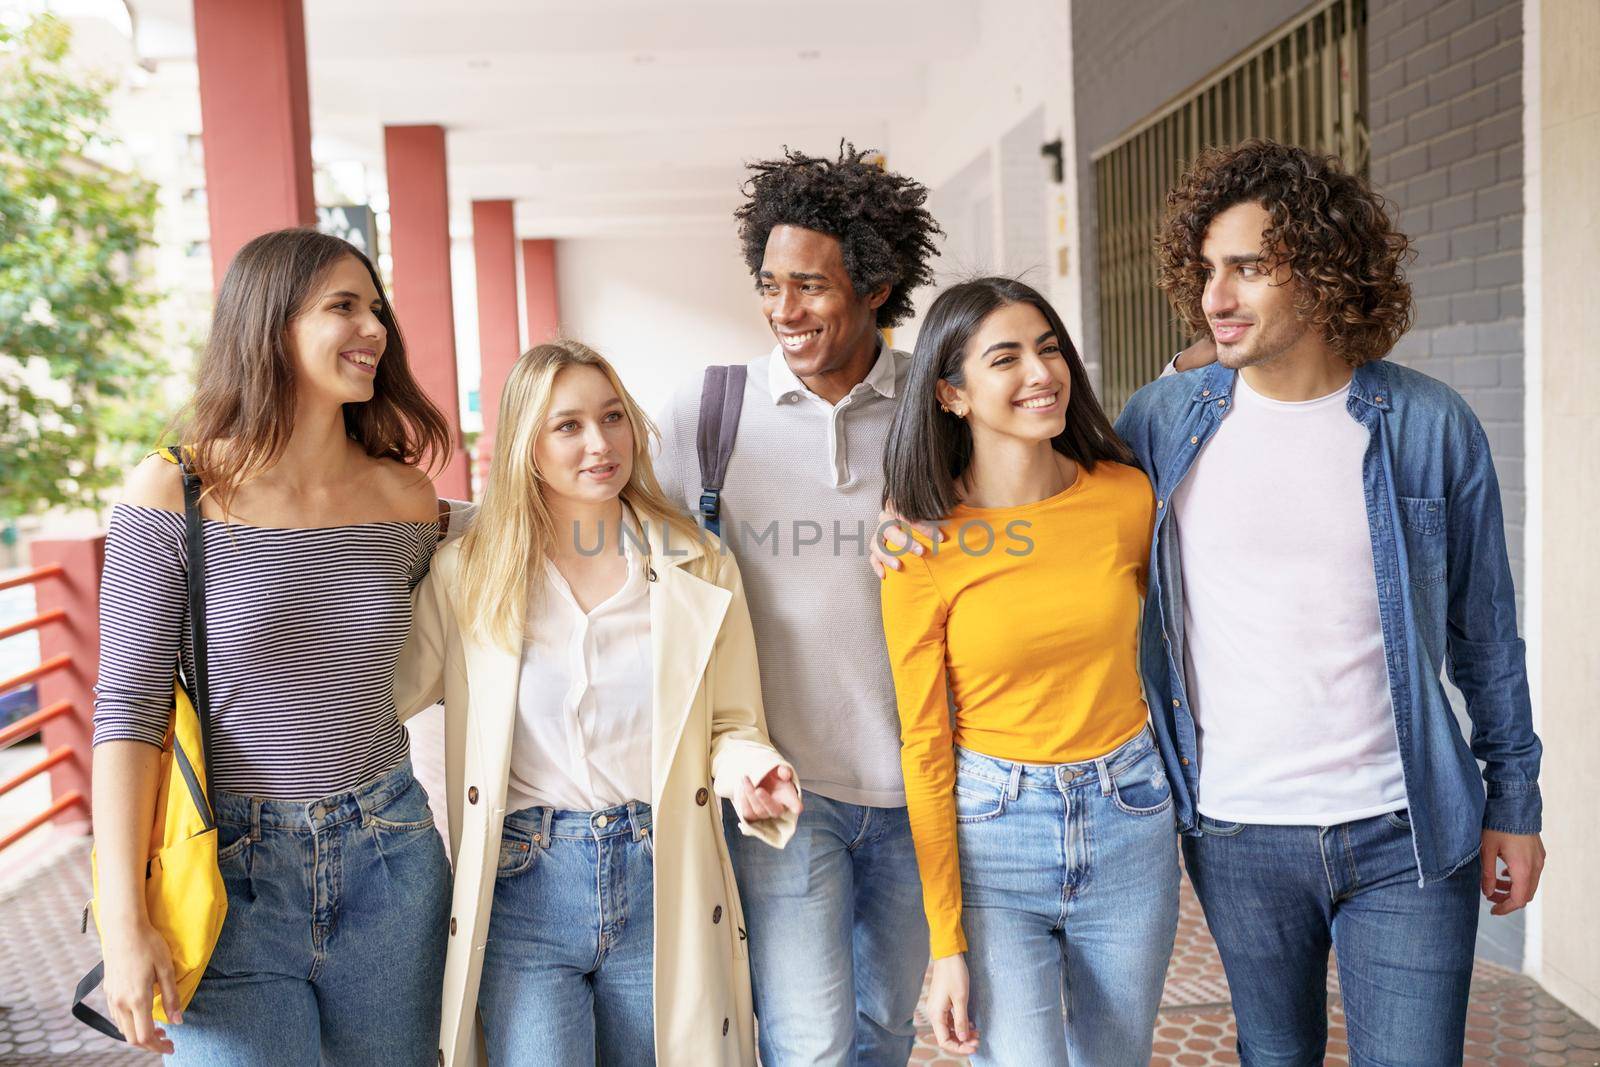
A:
891	541
768	798
1198	354
1523	856
948	991
137	960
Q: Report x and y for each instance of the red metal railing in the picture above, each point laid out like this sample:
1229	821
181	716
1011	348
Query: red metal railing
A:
58	672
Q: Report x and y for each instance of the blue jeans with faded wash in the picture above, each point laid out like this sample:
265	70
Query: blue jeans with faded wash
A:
567	972
838	939
333	948
1069	885
1278	897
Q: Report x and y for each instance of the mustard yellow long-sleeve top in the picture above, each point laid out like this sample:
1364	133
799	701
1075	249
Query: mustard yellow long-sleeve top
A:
1038	637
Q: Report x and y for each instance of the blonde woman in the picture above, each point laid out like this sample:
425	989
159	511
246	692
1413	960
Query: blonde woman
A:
598	668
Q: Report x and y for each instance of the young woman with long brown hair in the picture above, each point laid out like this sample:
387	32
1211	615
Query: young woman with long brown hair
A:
306	432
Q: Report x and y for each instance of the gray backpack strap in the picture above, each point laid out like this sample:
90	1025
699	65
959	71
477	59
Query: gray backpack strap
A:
721	399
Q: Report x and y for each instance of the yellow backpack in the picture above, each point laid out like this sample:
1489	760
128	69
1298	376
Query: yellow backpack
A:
183	888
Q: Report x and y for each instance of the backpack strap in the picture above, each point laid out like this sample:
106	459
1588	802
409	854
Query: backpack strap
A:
721	400
195	542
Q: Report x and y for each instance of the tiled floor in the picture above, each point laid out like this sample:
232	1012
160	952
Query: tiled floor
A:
42	952
1511	1021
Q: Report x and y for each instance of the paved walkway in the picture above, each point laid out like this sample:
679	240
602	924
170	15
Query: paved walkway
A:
1511	1022
42	952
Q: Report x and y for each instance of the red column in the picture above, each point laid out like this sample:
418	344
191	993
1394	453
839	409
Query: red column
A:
539	289
255	118
77	592
494	252
419	241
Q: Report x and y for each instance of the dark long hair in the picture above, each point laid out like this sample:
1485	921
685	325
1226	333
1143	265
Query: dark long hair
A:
929	448
242	414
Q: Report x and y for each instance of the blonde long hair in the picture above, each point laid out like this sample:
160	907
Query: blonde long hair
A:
514	531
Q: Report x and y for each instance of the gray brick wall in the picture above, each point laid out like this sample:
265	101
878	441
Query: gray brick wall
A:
1445	83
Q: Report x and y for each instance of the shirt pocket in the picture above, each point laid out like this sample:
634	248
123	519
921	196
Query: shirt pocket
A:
1422	520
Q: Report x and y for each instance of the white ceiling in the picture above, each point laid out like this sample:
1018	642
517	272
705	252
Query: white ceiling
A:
607	116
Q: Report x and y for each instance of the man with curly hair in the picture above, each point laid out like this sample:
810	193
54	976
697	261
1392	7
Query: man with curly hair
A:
1328	540
837	938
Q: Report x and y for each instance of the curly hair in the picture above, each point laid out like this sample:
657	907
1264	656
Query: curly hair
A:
1329	227
877	217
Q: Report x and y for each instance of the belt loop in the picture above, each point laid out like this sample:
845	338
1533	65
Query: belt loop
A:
1016	781
636	820
1105	776
255	820
546	817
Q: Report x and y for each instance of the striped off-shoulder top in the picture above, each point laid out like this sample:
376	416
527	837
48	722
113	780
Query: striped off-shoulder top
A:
304	627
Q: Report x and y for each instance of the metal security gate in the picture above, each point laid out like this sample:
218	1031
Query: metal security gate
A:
1304	85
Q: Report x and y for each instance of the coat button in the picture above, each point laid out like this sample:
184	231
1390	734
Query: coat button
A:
1205	392
1184	760
452	926
1194	440
1176	704
701	795
716	914
724	1027
1160	504
472	795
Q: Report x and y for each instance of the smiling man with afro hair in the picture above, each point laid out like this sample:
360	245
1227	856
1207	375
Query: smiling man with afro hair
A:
884	233
833	924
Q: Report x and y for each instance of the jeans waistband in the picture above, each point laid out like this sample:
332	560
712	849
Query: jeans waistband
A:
323	812
632	819
1096	772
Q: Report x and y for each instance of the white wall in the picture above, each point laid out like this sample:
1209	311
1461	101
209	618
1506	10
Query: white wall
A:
660	308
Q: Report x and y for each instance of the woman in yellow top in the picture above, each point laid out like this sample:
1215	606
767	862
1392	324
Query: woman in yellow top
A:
1039	806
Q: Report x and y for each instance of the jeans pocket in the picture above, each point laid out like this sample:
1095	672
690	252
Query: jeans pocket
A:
978	799
516	852
1218	827
1422	519
237	838
1400	820
1141	787
405	812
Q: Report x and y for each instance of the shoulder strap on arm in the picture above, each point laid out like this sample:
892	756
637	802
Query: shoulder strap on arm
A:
194	541
721	399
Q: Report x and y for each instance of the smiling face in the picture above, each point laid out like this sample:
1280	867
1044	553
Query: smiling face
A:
1015	378
337	339
584	449
1249	303
826	330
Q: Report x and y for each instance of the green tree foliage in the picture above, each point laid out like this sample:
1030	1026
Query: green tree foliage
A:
79	383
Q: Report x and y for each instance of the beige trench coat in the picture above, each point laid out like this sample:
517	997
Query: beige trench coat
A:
708	731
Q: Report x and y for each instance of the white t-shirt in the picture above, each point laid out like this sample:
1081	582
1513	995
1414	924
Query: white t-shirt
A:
1284	655
582	736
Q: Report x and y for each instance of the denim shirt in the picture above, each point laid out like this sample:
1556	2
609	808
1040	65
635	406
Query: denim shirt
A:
1445	600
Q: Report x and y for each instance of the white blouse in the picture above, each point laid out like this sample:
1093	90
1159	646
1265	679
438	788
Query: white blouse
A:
582	735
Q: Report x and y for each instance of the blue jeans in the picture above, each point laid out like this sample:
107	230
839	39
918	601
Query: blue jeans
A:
1069	884
838	941
1277	897
333	948
567	972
